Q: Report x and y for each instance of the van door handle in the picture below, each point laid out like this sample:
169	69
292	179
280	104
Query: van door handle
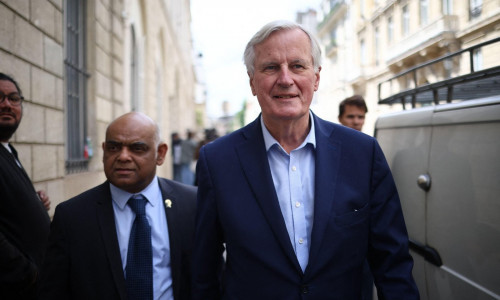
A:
424	182
430	254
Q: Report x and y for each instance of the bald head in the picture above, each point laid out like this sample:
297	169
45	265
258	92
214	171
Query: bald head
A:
138	120
132	151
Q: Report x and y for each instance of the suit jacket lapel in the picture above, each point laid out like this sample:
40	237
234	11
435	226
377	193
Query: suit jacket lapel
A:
106	219
327	168
255	166
14	158
174	233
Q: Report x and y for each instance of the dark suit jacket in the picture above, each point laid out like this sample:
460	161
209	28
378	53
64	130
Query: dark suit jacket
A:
357	215
83	258
24	229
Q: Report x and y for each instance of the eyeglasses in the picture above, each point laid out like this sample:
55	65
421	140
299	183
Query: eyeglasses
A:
14	98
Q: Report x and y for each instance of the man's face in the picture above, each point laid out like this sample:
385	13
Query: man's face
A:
284	79
353	117
130	154
10	115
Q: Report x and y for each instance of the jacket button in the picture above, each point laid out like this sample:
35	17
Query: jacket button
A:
304	289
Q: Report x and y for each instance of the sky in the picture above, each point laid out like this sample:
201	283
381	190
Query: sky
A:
221	30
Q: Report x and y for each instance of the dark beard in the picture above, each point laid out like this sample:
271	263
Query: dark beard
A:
6	131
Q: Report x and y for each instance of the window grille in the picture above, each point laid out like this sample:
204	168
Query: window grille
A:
76	87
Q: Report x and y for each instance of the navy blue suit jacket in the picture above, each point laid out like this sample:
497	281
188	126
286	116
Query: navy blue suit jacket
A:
83	258
357	215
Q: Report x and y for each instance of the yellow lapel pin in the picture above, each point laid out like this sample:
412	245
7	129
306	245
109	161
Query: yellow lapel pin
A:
168	203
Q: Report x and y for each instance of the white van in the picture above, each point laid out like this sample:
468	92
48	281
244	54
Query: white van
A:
445	160
446	163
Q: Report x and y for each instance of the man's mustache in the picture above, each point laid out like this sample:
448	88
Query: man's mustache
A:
7	110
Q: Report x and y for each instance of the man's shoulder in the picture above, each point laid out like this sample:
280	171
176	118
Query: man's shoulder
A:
177	186
95	193
183	194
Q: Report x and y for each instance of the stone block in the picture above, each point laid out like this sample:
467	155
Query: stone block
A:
61	159
54	127
103	38
118	7
118	92
19	70
59	94
118	49
103	85
44	162
95	162
118	27
101	137
43	87
53	56
117	70
106	3
103	62
103	15
6	29
28	42
21	7
58	4
119	109
43	16
103	110
31	129
59	27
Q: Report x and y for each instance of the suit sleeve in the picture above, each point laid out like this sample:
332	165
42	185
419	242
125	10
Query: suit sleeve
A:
18	223
55	270
208	243
16	270
389	257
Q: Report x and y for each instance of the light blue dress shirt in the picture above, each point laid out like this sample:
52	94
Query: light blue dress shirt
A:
155	213
293	177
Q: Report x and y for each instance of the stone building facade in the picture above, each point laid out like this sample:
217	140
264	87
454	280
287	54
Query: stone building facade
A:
80	64
366	42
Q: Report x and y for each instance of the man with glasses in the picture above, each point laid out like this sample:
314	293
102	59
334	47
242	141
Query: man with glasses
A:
24	222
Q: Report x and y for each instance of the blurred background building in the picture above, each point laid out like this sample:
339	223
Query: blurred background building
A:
366	42
82	63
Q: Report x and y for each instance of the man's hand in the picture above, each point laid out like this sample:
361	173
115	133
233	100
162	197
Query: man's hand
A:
44	198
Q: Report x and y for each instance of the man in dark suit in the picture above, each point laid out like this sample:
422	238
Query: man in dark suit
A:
352	111
24	222
95	235
297	202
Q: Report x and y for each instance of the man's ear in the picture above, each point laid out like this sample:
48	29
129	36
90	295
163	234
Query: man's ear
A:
316	82
161	153
250	79
103	146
